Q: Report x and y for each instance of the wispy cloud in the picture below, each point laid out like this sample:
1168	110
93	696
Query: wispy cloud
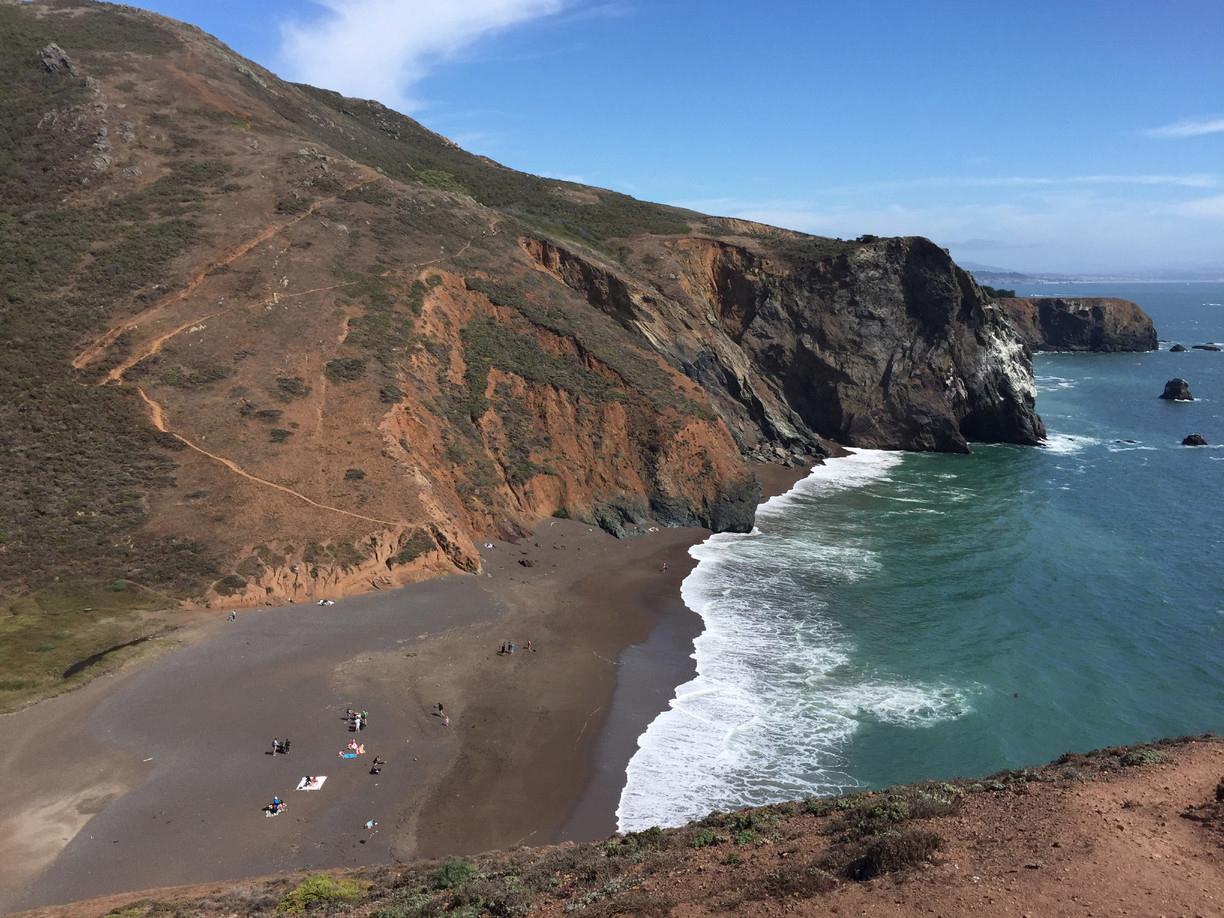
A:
1065	229
380	49
1183	180
1194	127
1211	208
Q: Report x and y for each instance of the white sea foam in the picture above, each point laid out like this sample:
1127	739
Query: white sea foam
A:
776	694
1068	443
1053	383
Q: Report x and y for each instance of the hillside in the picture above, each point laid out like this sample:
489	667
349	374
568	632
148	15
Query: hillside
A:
267	343
1125	830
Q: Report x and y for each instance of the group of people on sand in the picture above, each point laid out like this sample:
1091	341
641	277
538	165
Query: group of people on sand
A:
508	648
357	720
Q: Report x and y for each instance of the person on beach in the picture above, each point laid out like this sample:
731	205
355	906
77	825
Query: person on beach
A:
233	616
446	720
376	765
530	646
663	568
439	714
275	745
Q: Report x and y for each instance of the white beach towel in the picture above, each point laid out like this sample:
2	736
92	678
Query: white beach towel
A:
304	784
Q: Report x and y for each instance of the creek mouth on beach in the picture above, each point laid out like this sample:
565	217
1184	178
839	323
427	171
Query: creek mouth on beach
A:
93	659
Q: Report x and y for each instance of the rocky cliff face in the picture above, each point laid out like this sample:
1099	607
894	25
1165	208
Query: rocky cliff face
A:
883	344
1050	323
270	342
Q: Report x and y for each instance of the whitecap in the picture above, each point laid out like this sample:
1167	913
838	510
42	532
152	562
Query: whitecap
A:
1067	443
776	697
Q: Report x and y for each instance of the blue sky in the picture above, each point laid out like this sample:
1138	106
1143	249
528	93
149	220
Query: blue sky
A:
1057	136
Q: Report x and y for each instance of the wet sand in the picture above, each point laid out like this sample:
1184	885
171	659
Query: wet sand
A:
164	764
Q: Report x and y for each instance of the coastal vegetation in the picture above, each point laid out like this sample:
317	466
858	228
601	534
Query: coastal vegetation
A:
739	862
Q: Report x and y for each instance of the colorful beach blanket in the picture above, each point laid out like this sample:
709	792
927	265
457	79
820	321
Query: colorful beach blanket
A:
307	784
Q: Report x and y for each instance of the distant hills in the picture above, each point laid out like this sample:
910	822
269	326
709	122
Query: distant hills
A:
1005	277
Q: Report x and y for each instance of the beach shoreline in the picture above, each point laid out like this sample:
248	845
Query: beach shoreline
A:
534	751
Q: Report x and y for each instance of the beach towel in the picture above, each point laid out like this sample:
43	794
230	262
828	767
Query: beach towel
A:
316	785
347	755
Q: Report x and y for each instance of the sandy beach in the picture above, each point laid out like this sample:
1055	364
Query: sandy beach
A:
156	775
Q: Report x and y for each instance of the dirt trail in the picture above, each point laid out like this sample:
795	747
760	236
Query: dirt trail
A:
99	347
157	416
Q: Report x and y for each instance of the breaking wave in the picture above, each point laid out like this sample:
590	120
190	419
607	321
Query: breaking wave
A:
778	692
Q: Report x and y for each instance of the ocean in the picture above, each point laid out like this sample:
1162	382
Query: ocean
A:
898	617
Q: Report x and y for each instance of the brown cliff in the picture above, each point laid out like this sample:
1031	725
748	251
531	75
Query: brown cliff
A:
271	343
1054	323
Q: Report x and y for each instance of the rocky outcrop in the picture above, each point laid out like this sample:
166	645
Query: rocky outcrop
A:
1177	390
1194	440
1177	349
884	343
1081	323
356	334
1206	347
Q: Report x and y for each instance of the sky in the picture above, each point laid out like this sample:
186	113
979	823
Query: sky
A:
1077	137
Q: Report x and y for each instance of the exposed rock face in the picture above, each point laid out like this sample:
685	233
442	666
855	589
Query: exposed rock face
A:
1081	323
328	350
1177	390
54	59
1194	440
884	344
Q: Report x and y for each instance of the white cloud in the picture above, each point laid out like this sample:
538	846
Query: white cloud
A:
380	49
1212	208
1192	128
1069	230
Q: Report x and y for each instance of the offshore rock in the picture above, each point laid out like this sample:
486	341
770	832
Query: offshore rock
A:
1177	349
1103	324
1194	440
1177	390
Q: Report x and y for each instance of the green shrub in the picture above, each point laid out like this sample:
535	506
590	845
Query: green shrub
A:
345	369
452	874
892	852
417	544
230	584
706	838
279	434
1143	757
320	890
354	474
291	387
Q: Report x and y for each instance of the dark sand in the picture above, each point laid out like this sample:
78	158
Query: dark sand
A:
160	771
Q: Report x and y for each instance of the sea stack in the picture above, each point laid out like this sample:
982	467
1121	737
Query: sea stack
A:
1177	390
1194	440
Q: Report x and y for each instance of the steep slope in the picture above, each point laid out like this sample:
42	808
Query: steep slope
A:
1055	323
270	342
1125	830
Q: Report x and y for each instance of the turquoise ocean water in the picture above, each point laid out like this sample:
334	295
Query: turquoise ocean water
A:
903	616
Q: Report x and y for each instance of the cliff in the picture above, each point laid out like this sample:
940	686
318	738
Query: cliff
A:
1051	323
270	343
